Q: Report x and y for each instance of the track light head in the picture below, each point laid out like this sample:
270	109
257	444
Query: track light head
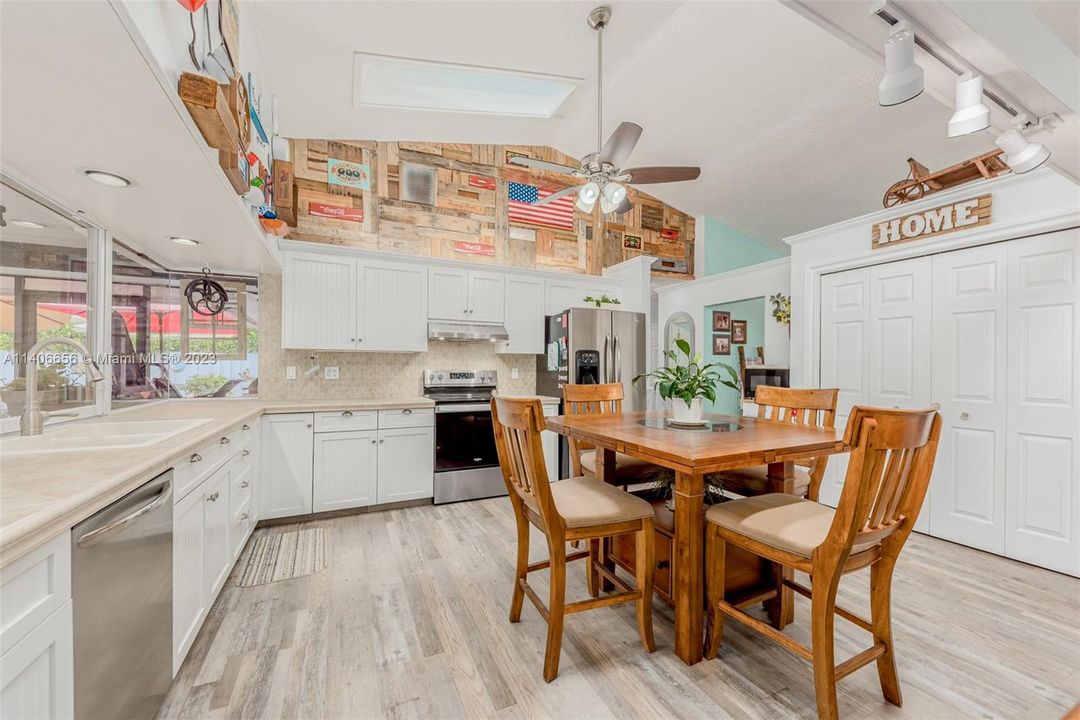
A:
1021	155
971	112
903	77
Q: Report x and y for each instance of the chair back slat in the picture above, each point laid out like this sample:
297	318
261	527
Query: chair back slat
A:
518	423
602	399
810	407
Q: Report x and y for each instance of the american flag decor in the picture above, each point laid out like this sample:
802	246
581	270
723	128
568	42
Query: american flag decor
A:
523	207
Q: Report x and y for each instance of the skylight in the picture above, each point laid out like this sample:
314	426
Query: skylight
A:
405	83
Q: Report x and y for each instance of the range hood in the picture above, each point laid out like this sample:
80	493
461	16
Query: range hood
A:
467	332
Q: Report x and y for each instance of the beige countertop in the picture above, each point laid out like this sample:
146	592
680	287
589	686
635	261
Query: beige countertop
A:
44	494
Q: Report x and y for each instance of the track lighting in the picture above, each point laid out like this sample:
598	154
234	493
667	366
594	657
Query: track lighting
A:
1021	155
612	196
903	77
971	113
587	195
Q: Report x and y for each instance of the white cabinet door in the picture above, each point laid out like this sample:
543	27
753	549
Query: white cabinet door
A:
286	465
318	302
37	674
550	441
393	307
562	295
485	297
900	349
217	550
346	467
967	488
448	294
189	595
1042	482
524	310
406	464
845	360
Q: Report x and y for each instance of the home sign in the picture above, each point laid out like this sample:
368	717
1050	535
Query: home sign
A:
962	215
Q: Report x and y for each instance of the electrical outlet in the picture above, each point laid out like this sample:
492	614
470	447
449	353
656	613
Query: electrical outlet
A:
514	374
290	372
331	373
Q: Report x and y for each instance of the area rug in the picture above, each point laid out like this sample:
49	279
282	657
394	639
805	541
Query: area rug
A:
284	556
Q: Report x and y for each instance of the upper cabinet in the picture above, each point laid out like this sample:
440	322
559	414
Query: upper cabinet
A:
458	294
571	292
524	315
333	302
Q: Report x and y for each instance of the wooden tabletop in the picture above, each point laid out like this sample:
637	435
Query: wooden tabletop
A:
757	443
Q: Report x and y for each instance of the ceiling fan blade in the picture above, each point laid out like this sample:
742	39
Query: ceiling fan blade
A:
643	175
556	195
621	143
536	164
624	207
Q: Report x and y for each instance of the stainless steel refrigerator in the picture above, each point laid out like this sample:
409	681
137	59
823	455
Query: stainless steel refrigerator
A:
592	346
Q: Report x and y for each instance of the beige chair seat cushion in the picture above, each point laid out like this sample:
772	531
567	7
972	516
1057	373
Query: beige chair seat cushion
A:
779	520
625	465
754	480
583	502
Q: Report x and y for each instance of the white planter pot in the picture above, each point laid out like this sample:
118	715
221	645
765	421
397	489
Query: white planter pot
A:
684	414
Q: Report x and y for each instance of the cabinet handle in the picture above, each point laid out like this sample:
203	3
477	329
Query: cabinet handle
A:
374	441
308	425
245	427
964	416
225	441
195	457
347	413
243	484
663	564
213	497
406	411
352	339
245	452
243	516
381	440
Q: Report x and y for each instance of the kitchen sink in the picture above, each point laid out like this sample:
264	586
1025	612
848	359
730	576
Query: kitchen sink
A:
99	436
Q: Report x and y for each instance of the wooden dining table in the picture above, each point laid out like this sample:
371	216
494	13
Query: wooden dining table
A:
727	443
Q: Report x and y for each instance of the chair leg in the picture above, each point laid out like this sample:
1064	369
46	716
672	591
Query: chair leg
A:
556	609
715	572
522	568
822	609
881	619
644	565
591	575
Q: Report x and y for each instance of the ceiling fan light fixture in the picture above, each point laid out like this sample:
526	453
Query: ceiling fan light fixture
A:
587	196
903	77
611	197
971	112
1022	155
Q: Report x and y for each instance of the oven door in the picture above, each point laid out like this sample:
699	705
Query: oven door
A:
464	438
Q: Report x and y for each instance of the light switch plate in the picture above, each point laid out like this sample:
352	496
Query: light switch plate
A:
290	372
514	373
331	373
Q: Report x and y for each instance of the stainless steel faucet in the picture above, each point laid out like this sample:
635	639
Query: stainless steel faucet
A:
33	417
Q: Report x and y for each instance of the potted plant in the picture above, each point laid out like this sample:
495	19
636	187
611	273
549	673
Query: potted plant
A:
688	383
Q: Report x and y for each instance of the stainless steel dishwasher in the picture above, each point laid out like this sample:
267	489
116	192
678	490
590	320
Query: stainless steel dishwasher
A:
122	592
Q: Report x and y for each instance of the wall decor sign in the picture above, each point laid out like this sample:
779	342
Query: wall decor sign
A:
652	217
482	181
738	332
962	215
348	174
470	248
721	345
336	212
721	321
632	242
418	183
670	234
511	154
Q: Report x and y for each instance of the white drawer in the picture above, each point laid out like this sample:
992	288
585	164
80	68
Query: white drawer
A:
345	420
197	466
241	484
409	417
245	434
33	587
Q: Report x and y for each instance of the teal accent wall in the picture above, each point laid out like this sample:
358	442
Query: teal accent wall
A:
753	312
728	249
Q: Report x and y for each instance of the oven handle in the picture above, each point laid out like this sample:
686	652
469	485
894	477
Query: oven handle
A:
463	408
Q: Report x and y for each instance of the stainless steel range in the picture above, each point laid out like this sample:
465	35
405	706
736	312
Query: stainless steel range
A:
466	462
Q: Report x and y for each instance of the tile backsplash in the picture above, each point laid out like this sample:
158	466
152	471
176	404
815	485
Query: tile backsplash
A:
369	375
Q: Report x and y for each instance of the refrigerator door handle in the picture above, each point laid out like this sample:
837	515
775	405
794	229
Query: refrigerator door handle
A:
605	371
617	356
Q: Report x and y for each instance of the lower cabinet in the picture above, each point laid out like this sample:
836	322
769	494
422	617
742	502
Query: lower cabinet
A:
286	465
190	599
406	464
37	673
217	550
346	467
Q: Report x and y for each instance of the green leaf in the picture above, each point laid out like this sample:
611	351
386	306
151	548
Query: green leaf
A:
683	345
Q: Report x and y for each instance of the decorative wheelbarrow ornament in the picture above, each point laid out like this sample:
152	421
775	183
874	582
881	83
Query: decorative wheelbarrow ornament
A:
920	182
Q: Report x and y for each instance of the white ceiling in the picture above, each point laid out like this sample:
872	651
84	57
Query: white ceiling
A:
781	115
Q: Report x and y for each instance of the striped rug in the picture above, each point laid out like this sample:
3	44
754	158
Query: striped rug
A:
284	556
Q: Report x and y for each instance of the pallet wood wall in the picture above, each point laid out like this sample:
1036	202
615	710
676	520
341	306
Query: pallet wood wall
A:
469	221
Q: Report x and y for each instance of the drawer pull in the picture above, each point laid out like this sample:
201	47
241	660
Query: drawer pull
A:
225	441
347	413
245	452
243	516
213	497
244	484
195	457
406	411
245	427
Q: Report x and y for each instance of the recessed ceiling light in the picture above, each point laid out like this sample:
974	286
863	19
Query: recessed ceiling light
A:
28	224
107	178
183	241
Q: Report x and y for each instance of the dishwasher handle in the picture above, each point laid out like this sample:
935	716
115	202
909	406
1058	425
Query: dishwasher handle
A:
104	531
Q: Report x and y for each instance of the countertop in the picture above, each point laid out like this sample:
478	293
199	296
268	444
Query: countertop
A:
44	494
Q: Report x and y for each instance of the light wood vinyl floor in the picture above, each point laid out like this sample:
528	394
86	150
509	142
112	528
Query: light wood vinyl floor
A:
409	621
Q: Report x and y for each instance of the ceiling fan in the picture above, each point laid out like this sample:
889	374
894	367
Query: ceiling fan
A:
603	174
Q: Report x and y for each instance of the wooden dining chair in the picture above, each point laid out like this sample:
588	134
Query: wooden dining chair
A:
578	508
792	406
603	399
891	459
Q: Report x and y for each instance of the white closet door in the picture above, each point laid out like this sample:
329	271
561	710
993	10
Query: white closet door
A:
900	341
1042	490
845	340
967	489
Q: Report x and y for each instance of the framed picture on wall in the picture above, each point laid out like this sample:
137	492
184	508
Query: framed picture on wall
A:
721	344
738	332
721	321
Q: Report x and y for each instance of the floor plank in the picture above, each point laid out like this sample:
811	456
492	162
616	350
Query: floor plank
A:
409	621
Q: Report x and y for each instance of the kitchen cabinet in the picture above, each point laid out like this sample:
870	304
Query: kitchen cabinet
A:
217	550
569	293
346	467
190	601
393	307
285	472
240	503
406	464
37	673
458	294
524	316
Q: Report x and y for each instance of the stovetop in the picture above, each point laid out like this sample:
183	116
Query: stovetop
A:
445	386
